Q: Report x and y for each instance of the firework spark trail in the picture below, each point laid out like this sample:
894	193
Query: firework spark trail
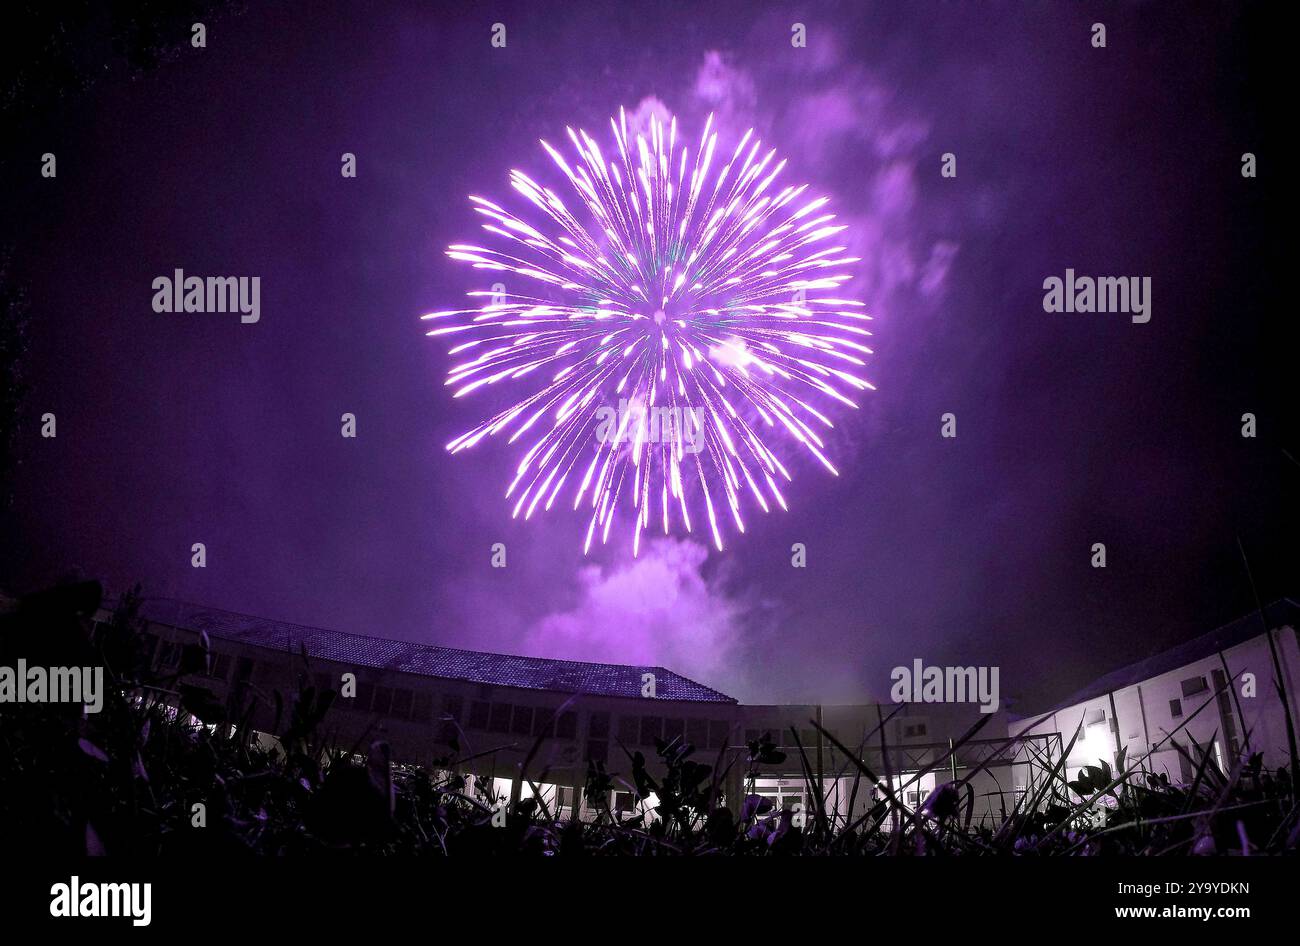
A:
686	291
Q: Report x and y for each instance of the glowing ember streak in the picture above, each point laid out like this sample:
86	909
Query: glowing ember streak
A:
696	308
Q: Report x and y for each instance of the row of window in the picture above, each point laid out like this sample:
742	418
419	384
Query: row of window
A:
522	720
173	655
701	733
501	717
393	702
632	731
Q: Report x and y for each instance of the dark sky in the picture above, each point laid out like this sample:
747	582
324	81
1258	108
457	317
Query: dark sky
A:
1072	428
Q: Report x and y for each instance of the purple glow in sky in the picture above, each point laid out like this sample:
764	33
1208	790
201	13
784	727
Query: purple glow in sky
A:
703	296
1072	429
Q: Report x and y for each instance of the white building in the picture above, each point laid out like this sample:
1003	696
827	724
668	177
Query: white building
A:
418	698
1213	694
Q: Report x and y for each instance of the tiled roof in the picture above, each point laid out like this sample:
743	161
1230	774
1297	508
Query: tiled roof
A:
532	673
1281	613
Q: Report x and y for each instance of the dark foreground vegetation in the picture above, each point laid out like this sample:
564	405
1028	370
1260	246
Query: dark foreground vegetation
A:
126	780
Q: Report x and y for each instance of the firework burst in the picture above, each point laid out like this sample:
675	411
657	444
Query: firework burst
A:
700	297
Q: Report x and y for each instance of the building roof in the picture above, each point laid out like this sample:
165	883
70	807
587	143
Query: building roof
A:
1280	613
428	660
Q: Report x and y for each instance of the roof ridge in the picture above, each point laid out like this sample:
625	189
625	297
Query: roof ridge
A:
376	637
540	663
1090	689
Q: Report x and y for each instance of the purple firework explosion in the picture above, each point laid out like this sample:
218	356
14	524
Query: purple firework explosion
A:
670	340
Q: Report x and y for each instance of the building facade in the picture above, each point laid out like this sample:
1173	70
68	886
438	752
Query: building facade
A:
1214	694
518	726
485	715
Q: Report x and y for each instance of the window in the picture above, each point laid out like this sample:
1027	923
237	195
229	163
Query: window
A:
674	729
918	729
697	732
1176	708
629	730
567	725
220	666
365	693
522	724
449	730
1225	711
422	707
1194	685
478	714
500	721
194	659
597	750
718	733
170	654
651	729
383	700
598	726
543	722
244	670
402	703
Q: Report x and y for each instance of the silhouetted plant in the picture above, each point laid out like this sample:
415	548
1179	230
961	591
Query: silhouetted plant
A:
128	780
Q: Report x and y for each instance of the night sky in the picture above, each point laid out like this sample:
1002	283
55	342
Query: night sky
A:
1071	428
